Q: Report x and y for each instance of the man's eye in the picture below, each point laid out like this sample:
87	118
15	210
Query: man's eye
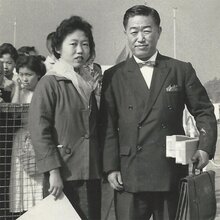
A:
134	32
146	31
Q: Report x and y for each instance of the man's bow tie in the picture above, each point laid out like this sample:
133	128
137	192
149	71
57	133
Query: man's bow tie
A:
147	63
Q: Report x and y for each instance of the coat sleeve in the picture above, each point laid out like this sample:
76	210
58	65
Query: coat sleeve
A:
109	127
41	125
201	108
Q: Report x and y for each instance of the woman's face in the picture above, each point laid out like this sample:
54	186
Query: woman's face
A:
75	49
29	78
8	64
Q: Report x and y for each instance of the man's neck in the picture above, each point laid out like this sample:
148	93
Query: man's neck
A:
152	58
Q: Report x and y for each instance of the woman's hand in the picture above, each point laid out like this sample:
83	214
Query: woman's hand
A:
56	183
18	83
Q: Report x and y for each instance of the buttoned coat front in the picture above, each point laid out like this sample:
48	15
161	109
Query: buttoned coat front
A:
64	130
135	121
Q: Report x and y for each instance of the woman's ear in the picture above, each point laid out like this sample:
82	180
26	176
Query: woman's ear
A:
57	50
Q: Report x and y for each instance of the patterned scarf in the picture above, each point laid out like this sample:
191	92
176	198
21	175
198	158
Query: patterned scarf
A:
83	82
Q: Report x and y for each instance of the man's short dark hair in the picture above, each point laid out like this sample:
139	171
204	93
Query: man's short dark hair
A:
7	48
141	10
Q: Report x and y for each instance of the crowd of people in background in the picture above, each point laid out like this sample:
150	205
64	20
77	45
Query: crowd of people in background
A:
10	58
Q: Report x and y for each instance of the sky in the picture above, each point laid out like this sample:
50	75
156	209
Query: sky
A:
197	27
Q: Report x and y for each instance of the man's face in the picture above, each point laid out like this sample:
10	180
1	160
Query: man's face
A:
142	34
8	64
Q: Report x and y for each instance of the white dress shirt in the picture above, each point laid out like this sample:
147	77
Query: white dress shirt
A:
147	71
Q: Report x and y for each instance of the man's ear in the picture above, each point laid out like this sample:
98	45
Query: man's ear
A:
160	30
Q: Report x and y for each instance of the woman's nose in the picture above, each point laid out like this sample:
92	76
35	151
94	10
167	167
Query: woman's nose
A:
5	65
79	48
25	79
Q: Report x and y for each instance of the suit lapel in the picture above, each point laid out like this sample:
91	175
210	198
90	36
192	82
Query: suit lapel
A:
133	76
136	83
160	74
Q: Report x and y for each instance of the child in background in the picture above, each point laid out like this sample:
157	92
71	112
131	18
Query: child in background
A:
6	86
8	55
26	184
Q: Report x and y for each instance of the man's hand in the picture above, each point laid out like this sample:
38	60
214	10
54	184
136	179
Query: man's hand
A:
115	180
201	159
56	183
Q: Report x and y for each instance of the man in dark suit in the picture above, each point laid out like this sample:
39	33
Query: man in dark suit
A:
142	102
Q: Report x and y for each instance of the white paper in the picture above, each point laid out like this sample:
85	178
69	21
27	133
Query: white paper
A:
185	150
181	148
50	209
171	144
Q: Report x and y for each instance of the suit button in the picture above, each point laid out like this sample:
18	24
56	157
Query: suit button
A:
67	150
86	136
139	126
169	107
139	148
163	126
130	107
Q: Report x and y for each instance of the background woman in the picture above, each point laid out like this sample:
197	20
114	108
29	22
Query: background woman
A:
26	184
63	120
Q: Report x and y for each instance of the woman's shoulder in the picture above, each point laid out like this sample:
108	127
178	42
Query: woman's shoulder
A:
47	80
46	84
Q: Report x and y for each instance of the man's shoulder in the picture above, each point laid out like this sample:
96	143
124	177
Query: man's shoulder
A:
172	61
117	67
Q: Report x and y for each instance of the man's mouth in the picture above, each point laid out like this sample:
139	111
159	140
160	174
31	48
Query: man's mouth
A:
141	46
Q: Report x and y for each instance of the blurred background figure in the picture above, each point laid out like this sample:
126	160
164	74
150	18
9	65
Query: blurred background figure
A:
50	59
8	55
28	51
5	86
26	183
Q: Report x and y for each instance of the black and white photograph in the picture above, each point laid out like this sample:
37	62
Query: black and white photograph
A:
109	110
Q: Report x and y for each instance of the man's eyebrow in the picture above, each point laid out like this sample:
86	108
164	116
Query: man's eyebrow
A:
142	27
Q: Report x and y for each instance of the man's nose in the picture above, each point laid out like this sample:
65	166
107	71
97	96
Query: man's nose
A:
140	36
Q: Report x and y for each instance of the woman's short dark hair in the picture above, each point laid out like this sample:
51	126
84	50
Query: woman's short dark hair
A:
68	26
7	48
33	63
141	10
